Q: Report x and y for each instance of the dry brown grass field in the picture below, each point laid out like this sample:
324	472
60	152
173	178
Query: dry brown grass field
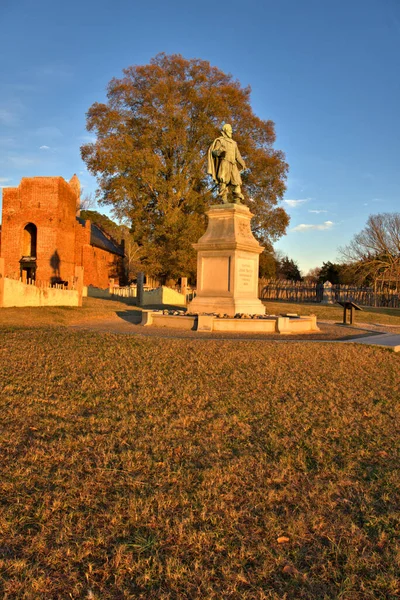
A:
147	467
95	309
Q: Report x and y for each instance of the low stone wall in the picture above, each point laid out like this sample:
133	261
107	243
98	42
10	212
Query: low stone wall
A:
163	296
245	325
95	292
16	293
298	325
282	325
160	320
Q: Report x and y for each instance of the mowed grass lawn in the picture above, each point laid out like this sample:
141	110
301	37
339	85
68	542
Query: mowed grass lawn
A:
178	468
95	309
368	314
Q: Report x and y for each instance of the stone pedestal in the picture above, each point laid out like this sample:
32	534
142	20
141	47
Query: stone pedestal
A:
328	294
227	264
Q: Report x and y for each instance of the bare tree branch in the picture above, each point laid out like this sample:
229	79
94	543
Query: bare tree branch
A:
375	251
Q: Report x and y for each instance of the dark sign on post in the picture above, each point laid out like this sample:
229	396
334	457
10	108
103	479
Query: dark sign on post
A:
139	289
348	310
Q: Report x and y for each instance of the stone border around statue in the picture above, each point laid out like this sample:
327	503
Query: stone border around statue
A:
271	324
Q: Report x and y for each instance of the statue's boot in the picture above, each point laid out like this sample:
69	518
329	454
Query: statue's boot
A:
237	195
223	193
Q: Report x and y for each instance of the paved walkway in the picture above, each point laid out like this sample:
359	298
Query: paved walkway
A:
372	327
386	340
364	333
386	336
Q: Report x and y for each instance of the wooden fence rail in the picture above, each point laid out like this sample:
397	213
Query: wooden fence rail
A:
72	285
291	291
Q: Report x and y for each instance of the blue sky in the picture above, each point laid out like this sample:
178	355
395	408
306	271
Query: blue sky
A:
325	71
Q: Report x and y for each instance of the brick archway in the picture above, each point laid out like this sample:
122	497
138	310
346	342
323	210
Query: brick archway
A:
29	240
29	251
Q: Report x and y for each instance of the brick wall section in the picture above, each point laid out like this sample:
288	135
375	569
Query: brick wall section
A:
82	238
99	265
50	203
10	232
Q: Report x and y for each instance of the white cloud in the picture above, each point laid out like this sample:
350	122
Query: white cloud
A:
318	227
295	203
375	200
317	212
4	179
44	148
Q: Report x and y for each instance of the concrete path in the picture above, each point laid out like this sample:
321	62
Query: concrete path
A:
386	336
374	335
386	340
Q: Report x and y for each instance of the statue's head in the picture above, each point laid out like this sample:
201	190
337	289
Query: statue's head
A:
227	130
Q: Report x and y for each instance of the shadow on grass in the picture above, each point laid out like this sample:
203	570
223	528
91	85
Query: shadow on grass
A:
163	307
124	300
355	336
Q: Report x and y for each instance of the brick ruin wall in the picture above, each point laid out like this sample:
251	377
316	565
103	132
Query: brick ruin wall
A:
99	265
50	204
62	242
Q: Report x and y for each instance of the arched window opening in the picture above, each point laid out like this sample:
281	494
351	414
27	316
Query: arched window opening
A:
30	240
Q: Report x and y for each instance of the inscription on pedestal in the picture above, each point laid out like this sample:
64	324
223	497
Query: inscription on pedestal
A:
245	271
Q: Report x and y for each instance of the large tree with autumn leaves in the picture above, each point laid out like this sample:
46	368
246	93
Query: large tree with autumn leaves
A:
149	157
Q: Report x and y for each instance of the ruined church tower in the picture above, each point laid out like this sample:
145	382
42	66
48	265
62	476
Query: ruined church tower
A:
38	228
75	184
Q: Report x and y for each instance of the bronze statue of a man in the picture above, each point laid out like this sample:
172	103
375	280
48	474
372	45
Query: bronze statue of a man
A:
225	165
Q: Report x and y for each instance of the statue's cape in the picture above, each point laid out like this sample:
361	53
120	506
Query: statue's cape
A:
213	162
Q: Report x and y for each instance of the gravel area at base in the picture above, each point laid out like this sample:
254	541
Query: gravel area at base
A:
329	331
